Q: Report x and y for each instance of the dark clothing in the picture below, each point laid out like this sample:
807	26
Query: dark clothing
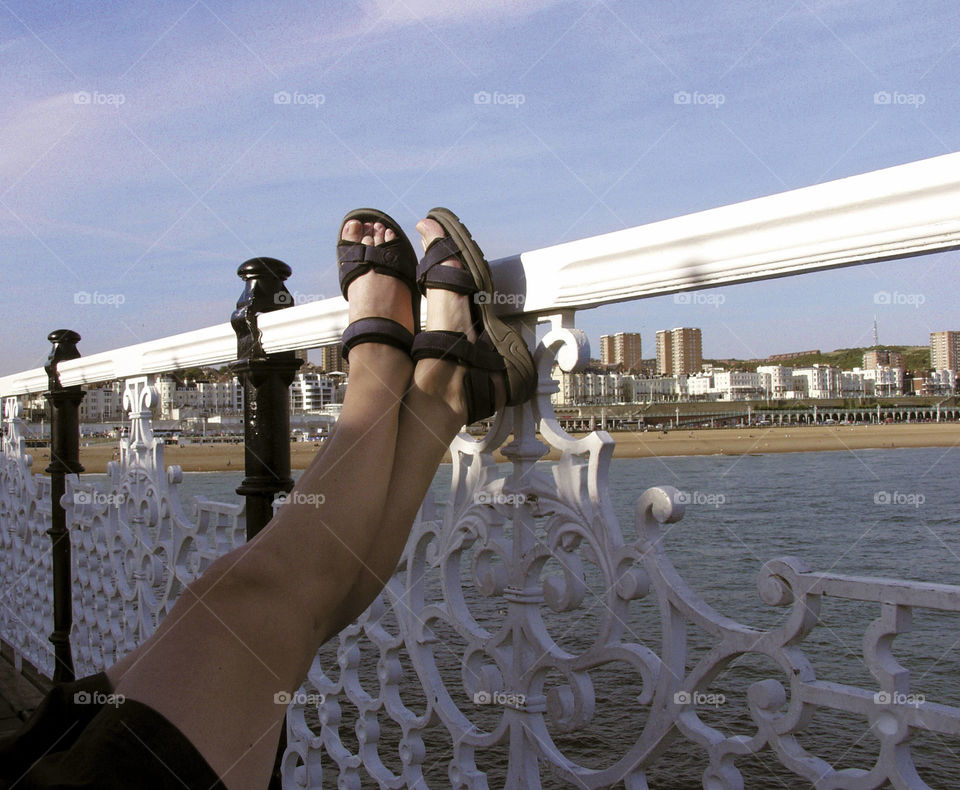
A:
84	736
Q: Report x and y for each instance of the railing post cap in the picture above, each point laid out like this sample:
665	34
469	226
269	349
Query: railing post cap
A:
264	267
64	348
64	337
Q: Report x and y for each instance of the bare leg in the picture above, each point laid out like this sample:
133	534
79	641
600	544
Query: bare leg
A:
433	411
250	626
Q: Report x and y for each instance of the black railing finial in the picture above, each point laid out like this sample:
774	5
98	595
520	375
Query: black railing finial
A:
264	293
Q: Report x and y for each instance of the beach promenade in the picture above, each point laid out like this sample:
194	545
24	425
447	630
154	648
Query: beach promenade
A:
629	444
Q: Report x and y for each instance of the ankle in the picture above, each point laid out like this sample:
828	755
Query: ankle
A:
442	380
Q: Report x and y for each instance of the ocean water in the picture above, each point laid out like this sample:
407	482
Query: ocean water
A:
887	513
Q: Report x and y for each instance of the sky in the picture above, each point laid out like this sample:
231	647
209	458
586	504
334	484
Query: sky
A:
149	148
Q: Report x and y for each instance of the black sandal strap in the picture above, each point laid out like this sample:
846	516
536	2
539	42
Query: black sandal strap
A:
440	344
481	359
479	394
356	259
430	274
444	344
376	330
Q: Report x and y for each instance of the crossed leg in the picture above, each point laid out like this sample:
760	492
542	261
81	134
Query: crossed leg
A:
249	628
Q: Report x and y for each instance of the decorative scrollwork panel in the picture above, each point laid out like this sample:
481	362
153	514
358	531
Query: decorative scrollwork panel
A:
497	640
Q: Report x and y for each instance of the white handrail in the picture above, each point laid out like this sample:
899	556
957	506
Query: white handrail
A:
900	211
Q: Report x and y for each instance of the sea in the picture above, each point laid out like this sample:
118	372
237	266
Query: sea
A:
884	513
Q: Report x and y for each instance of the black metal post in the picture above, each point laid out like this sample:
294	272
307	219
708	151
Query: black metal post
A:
64	459
266	380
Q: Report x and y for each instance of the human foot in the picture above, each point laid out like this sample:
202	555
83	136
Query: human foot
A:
377	269
463	327
449	310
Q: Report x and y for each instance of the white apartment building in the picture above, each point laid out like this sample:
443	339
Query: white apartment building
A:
726	385
857	383
887	381
176	397
103	403
769	381
940	382
820	381
637	389
777	381
738	385
700	386
593	388
310	392
221	397
198	398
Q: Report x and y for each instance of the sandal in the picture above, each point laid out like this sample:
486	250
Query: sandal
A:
498	348
395	258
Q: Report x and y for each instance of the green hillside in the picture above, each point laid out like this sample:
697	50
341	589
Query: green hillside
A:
916	358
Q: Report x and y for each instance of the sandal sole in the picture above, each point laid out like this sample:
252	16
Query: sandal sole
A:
521	373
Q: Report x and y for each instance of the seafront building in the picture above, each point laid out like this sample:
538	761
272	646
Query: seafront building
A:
945	351
679	351
310	392
103	403
623	350
778	381
818	381
331	359
770	382
878	357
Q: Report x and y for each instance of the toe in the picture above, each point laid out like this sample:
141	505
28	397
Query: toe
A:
378	230
429	229
352	230
367	233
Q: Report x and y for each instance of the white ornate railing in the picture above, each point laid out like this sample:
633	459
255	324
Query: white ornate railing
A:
464	623
491	587
26	569
134	549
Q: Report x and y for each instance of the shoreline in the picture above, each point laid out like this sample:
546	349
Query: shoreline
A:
652	444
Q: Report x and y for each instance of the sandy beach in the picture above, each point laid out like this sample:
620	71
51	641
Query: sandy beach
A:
728	441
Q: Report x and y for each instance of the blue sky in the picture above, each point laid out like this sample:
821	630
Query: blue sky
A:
182	165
